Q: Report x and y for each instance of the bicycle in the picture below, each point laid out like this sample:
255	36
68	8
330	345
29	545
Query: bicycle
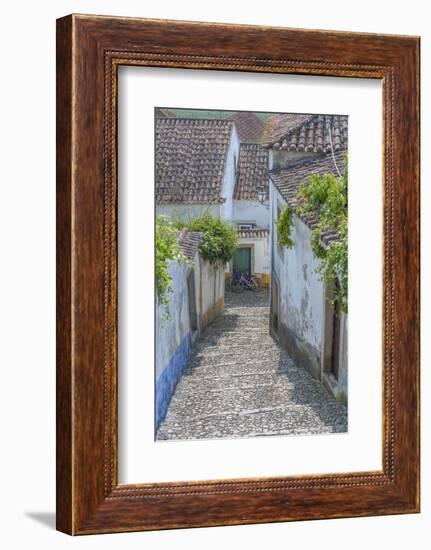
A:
242	281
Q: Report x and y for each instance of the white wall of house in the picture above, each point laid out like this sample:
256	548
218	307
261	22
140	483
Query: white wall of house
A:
301	290
211	297
260	257
251	212
188	211
173	335
229	176
281	158
174	339
171	332
302	302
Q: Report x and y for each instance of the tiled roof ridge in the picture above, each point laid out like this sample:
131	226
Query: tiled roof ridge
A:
311	134
280	124
196	121
255	232
189	242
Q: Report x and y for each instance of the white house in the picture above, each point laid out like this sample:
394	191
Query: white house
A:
250	214
196	299
301	313
196	163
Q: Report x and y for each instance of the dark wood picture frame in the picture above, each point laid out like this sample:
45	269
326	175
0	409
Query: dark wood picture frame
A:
89	51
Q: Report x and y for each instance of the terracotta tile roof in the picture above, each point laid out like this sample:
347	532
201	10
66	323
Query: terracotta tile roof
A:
252	171
310	133
248	125
190	159
289	179
189	242
256	233
280	125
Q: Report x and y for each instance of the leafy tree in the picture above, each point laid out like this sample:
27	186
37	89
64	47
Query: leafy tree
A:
219	238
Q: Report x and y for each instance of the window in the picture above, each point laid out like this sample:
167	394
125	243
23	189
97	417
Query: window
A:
245	225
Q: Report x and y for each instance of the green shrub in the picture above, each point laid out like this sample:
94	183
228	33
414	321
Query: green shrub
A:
327	196
167	250
219	238
284	226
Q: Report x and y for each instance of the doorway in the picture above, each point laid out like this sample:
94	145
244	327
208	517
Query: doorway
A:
332	335
335	352
242	260
275	308
192	301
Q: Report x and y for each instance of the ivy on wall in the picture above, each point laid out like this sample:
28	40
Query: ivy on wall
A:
284	226
167	250
327	197
218	244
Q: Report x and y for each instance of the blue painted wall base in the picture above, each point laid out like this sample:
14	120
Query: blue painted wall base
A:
168	380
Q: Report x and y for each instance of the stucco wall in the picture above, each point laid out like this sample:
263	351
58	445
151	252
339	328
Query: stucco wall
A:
301	290
301	293
211	296
301	303
260	257
173	338
187	211
282	158
251	212
229	176
342	373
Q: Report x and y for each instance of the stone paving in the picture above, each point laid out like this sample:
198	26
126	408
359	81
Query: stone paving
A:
241	383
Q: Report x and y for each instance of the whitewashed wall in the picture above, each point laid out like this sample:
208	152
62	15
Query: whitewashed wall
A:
229	176
188	211
251	212
211	296
260	255
301	290
173	337
301	303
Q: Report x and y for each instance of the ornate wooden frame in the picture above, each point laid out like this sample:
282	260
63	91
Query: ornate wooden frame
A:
89	51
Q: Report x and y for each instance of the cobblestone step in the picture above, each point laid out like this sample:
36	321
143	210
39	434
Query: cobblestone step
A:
240	383
271	421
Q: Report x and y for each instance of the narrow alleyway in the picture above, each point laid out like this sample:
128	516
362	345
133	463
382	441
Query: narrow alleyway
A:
240	383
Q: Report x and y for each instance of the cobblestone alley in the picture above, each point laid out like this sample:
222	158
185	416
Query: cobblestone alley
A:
240	383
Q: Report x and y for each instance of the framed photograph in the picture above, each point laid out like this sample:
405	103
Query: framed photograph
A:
237	274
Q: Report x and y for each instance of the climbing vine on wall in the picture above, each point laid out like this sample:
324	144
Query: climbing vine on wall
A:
325	197
167	250
284	226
